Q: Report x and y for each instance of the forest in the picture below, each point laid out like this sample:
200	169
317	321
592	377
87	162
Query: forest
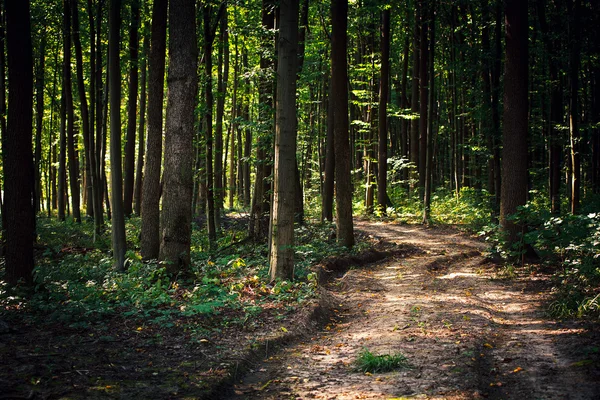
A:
182	171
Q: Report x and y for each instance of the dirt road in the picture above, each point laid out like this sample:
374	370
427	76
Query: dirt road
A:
467	333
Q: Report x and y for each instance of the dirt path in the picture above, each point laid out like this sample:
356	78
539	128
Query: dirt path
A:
466	333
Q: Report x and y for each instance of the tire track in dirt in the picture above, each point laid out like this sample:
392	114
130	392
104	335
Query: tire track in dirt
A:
466	334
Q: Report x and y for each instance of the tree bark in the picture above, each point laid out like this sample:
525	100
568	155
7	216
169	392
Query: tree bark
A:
39	118
88	137
282	227
176	226
514	157
339	82
68	88
17	151
119	246
129	167
382	112
137	190
150	236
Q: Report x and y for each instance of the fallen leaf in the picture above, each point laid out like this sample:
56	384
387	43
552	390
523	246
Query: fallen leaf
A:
518	369
489	346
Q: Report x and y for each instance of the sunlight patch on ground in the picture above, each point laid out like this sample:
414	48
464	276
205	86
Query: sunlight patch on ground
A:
454	275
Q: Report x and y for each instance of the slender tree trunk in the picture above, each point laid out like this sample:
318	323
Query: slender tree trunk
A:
223	73
150	236
129	165
345	226
116	172
208	138
68	88
17	148
176	226
39	118
424	90
574	134
514	157
328	184
100	114
137	191
414	107
282	226
382	111
88	138
430	134
260	200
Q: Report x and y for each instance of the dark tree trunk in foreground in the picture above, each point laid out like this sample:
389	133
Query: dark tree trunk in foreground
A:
514	157
114	82
150	237
382	117
17	151
282	220
129	167
339	81
176	224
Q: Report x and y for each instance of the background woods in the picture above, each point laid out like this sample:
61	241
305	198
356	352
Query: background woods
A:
480	113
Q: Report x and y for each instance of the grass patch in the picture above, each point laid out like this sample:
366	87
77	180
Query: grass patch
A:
374	363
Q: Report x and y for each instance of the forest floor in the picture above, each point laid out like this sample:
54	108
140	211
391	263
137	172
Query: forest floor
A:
468	332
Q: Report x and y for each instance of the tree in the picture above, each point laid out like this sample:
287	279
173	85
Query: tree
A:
514	155
176	223
88	137
70	132
129	167
17	151
382	111
150	236
282	226
119	245
339	79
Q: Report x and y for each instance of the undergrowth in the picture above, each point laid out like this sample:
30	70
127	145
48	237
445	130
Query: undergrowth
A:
76	284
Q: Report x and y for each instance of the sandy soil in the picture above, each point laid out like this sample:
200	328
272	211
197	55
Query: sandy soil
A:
467	333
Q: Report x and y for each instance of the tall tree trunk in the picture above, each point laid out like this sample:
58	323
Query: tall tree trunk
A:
137	191
414	108
424	90
68	88
176	226
129	166
282	226
116	172
88	137
382	111
328	184
345	226
39	118
514	157
260	201
208	137
100	115
430	134
574	134
17	151
150	235
222	78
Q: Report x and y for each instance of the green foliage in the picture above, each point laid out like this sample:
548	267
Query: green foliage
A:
569	245
374	363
